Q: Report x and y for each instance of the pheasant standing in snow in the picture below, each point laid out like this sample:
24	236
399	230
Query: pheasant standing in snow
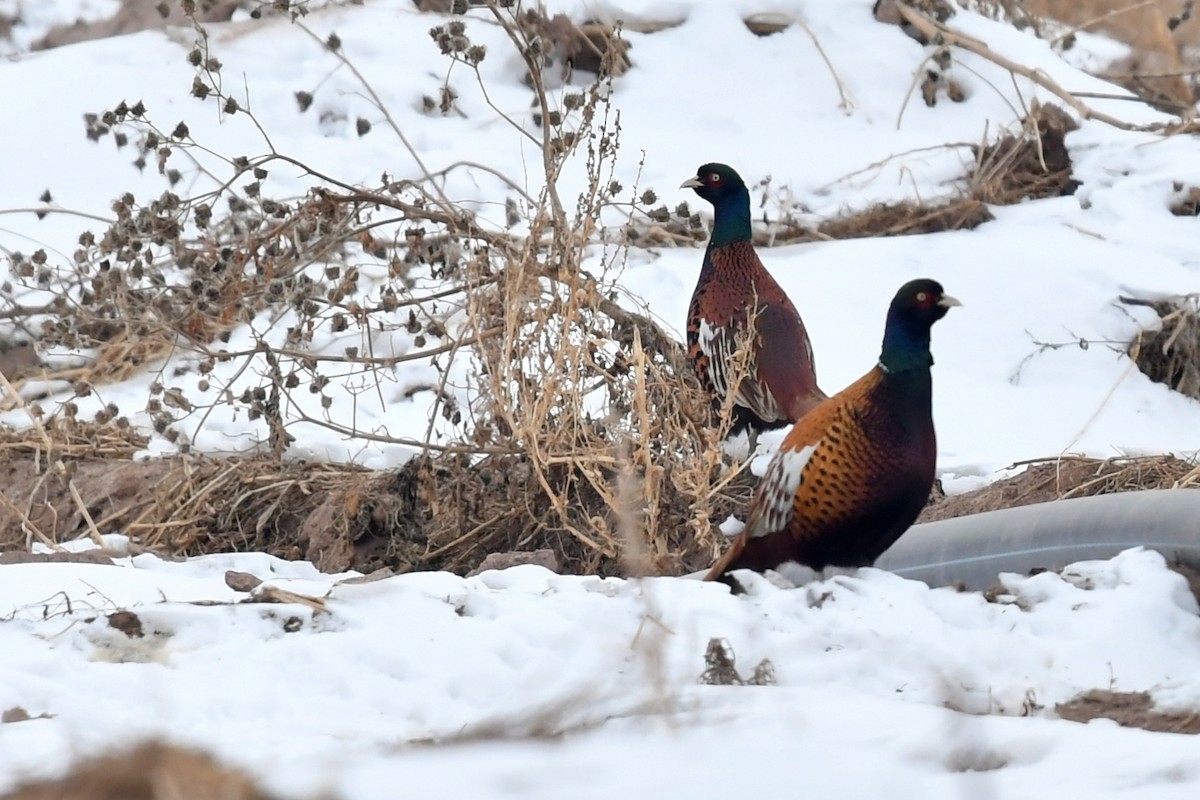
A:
780	385
852	476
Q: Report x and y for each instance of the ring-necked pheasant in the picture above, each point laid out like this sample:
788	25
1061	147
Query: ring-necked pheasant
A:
852	476
780	385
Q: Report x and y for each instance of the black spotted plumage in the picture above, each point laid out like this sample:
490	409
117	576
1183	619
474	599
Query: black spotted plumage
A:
780	383
853	475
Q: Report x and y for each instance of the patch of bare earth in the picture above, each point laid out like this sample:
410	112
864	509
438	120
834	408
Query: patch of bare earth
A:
147	772
1128	709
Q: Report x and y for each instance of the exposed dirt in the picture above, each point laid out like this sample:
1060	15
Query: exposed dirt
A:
147	772
1129	709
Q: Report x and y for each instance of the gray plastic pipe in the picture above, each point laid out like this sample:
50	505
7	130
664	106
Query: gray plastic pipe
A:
976	548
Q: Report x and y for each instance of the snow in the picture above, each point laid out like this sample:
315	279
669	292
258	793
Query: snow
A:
522	683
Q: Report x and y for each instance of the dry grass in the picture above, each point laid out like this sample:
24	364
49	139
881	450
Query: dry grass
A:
1064	477
907	218
116	359
1170	352
1026	166
148	771
1128	709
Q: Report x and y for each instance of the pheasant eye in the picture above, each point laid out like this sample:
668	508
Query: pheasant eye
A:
922	297
714	178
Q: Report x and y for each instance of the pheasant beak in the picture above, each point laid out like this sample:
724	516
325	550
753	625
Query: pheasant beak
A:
691	183
948	302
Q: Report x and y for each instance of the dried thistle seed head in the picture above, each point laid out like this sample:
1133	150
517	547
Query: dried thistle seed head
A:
649	198
304	100
456	27
362	126
475	54
200	90
334	42
231	106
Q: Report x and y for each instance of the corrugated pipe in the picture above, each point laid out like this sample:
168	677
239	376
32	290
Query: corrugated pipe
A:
974	549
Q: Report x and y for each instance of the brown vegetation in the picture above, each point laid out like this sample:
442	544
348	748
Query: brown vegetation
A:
1065	477
149	771
1170	352
1128	709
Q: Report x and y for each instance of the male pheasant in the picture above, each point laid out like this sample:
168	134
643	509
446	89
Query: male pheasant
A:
780	384
852	476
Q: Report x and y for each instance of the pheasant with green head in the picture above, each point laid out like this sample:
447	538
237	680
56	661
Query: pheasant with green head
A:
853	475
780	382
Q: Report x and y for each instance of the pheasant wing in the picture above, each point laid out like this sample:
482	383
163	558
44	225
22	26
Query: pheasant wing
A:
772	507
719	344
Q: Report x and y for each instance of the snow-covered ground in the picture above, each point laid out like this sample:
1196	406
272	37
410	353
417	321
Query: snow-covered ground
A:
521	683
883	685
